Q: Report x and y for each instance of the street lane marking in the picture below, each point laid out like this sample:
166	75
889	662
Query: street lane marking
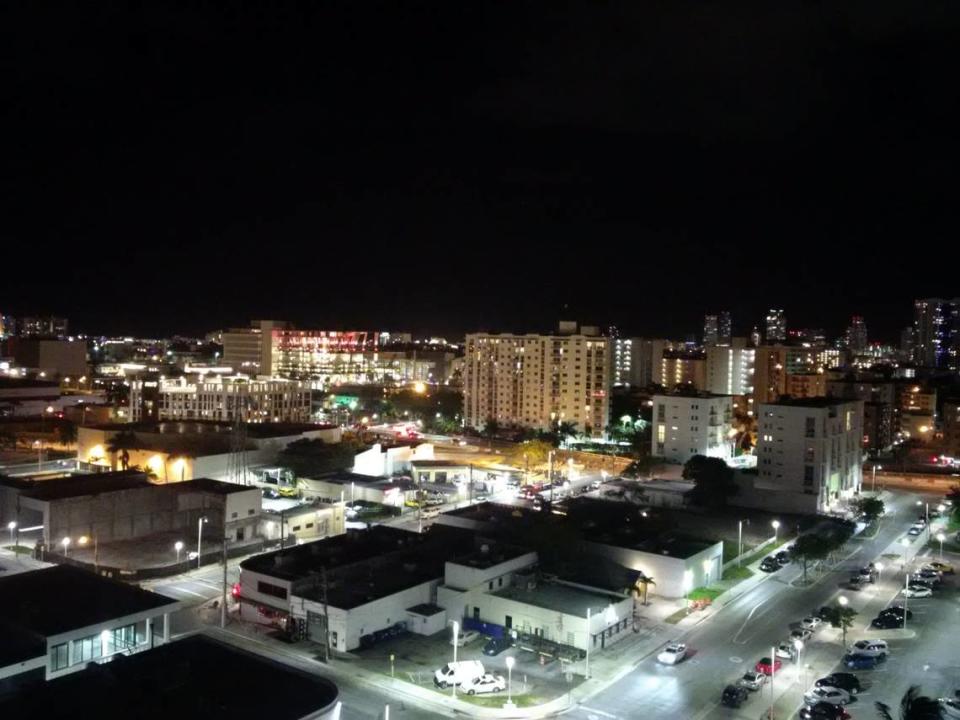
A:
593	712
744	626
174	588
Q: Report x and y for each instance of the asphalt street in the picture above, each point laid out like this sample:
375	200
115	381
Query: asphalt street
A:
726	645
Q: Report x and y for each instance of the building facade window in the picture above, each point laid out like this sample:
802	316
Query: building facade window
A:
59	657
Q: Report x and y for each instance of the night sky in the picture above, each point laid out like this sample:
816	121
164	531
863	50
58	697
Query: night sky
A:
451	166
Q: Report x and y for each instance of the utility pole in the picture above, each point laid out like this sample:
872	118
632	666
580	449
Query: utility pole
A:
223	604
326	615
550	473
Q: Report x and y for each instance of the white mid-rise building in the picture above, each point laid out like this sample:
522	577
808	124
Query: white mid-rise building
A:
537	381
811	446
730	368
691	424
223	397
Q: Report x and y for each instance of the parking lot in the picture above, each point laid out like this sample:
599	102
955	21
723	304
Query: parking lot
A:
416	657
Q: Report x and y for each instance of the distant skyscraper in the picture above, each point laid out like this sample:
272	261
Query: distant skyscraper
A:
710	330
43	327
936	337
907	342
755	336
857	334
724	328
776	326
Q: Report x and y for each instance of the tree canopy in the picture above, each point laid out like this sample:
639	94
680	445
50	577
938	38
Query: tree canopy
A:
810	547
310	457
713	481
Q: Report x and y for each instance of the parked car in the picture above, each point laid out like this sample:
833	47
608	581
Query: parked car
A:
869	647
853	661
734	696
930	573
824	613
832	695
672	654
886	622
486	683
465	637
811	623
785	650
801	634
458	673
842	680
856	582
868	574
495	646
823	711
939	567
752	680
950	707
914	531
929	582
897	611
917	591
767	666
782	557
769	564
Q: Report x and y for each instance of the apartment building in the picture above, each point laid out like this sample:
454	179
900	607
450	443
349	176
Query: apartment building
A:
681	369
688	424
536	381
951	427
806	385
730	368
810	448
638	361
222	398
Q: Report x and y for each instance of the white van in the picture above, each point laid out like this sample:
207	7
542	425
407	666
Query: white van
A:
458	673
428	513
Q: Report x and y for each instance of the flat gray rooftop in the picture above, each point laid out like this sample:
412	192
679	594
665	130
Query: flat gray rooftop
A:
561	598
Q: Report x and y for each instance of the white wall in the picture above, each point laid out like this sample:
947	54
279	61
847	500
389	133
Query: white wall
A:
669	573
466	577
350	624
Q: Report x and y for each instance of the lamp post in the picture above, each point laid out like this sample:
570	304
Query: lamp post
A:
178	546
798	644
510	662
773	674
905	543
66	544
586	667
200	522
879	567
12	525
926	511
39	446
842	601
875	468
906	585
740	539
776	530
82	541
456	639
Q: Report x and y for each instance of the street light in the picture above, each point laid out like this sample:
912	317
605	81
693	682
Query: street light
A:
11	526
586	667
879	567
200	522
82	541
776	530
798	644
66	544
456	639
178	546
740	539
903	559
875	468
941	537
39	446
842	602
510	662
773	674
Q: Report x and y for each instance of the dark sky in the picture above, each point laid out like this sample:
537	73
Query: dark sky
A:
451	166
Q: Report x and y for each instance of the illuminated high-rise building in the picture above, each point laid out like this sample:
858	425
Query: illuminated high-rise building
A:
776	326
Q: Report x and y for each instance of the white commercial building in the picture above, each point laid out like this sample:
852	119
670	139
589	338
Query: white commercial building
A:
691	424
224	398
812	449
730	368
537	381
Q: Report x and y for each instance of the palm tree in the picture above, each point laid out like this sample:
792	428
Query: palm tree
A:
122	443
641	585
67	432
913	706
